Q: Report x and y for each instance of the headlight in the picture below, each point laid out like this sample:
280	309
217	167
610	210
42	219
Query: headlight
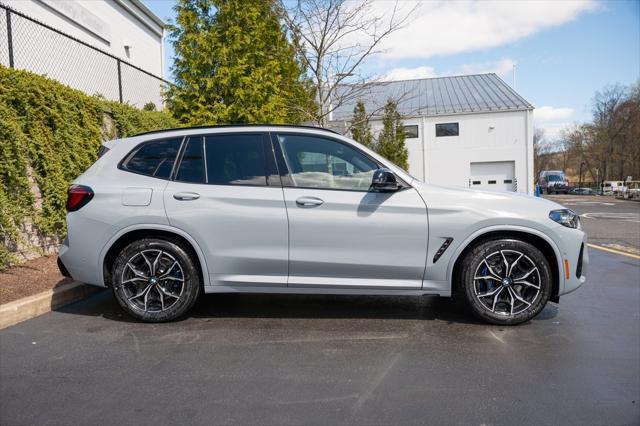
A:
565	217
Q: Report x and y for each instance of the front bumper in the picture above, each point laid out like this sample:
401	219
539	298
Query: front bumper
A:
575	261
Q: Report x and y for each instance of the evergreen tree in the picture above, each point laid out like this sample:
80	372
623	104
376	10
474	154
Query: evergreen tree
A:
234	64
391	139
360	127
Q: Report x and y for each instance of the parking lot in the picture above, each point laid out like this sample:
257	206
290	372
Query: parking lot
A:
609	222
284	359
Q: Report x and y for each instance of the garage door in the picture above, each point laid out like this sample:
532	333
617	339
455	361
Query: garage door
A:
493	176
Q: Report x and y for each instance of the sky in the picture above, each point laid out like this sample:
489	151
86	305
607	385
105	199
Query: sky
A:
563	51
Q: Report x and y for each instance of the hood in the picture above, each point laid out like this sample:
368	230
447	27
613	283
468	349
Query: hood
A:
485	203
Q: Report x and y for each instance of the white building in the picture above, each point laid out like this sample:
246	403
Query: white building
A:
473	131
65	40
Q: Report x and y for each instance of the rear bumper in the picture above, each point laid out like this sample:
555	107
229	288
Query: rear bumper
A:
63	269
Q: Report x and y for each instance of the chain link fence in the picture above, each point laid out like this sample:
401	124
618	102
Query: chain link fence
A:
31	45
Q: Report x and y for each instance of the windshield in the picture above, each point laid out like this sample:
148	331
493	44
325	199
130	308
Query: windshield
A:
556	178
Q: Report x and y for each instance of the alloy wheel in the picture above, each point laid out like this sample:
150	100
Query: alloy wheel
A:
507	282
152	281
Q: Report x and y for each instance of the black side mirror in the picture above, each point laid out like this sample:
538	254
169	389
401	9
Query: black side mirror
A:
384	181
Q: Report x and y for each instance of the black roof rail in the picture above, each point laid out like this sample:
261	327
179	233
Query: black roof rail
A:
223	126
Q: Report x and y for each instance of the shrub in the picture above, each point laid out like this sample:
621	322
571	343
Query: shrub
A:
49	134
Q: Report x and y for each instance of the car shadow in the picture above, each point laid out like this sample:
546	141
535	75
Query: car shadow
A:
293	306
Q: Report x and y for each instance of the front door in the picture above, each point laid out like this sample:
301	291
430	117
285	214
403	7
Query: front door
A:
226	194
340	233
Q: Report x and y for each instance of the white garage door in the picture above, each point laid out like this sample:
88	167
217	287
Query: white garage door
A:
493	176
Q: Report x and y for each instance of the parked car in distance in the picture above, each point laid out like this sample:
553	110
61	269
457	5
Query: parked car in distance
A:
581	191
631	190
553	182
164	216
612	187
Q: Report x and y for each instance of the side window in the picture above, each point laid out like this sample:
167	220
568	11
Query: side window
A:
316	162
154	158
235	159
192	164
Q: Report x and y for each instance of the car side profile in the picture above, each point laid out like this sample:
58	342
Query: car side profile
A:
164	216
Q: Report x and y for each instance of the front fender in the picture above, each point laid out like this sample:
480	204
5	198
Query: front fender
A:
506	228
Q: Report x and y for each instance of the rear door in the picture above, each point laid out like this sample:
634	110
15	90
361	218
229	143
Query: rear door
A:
341	234
227	195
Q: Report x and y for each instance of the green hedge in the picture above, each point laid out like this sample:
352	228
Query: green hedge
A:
53	132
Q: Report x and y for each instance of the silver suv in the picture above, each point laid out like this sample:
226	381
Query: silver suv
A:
164	216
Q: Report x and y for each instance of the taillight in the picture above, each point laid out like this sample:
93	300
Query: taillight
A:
78	196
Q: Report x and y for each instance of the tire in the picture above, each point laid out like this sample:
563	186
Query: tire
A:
494	300
139	286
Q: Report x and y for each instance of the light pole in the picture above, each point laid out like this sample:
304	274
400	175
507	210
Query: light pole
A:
582	164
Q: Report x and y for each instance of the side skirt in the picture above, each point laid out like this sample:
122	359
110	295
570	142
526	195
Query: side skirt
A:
321	290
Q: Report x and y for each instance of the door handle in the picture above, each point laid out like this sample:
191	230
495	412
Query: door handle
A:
186	196
309	201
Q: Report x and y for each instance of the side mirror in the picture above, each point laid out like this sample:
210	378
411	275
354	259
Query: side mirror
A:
384	181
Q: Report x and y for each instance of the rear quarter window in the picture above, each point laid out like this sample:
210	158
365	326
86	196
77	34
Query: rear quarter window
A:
154	158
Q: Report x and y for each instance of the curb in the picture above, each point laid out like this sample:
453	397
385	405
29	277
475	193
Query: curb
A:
32	306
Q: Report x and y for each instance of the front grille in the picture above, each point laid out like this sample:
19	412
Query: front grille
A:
579	267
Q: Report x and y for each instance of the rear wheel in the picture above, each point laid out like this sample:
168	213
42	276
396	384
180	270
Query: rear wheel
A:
156	280
506	281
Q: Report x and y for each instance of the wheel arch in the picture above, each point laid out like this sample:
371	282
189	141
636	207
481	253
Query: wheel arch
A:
133	233
541	241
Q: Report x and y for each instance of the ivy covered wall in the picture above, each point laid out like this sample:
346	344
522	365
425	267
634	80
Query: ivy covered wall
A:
49	134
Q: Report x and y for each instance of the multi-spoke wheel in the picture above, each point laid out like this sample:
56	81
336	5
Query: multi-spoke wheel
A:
156	279
506	281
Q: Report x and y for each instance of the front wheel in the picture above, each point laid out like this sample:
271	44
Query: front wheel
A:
506	281
156	280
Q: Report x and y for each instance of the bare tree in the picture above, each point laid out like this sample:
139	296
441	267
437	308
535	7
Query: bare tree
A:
540	151
333	39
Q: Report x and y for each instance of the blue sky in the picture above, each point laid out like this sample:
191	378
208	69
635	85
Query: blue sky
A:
564	51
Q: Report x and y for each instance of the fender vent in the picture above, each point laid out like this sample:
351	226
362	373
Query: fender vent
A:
442	249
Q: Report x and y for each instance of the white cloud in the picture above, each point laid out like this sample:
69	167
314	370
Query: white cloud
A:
446	28
409	73
552	131
503	67
547	113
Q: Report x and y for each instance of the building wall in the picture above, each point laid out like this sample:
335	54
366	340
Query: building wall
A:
106	24
484	137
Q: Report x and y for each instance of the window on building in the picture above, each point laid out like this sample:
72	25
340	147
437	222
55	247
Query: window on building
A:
154	158
411	131
447	129
235	159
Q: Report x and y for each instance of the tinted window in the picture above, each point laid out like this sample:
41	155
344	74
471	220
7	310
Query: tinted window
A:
192	164
411	131
154	158
235	159
447	129
315	162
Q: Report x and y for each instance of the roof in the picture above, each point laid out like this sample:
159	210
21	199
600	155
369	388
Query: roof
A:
463	94
239	126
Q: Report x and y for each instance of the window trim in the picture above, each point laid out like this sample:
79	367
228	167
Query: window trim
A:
285	177
263	143
135	149
457	123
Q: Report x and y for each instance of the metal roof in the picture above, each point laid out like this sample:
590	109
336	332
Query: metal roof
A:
463	94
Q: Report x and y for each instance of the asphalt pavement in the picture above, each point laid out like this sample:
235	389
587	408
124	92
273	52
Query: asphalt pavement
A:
608	221
285	359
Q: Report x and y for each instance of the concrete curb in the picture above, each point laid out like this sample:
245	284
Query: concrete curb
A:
32	306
